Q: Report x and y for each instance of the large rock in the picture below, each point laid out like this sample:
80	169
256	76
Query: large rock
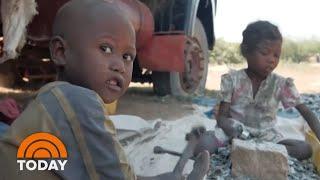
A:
263	161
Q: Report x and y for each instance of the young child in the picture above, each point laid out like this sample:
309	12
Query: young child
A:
251	96
93	45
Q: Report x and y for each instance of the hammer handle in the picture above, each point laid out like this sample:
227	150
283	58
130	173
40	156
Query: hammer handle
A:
164	151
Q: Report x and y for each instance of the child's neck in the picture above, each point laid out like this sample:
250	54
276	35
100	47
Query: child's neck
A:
60	73
254	76
255	81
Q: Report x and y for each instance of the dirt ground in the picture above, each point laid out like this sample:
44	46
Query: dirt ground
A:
140	100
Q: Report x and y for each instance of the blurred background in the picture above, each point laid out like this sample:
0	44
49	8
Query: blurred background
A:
299	24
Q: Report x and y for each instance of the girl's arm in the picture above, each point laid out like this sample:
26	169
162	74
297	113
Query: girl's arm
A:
311	118
224	122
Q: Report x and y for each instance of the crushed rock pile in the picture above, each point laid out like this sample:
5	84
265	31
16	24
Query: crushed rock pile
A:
220	167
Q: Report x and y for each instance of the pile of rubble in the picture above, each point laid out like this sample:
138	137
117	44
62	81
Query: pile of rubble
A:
296	170
313	102
220	167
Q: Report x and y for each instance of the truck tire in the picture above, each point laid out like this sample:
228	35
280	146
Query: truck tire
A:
179	84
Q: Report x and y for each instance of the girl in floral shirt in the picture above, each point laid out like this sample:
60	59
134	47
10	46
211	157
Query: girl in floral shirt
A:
251	96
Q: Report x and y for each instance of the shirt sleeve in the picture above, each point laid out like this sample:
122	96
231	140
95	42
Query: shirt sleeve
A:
289	94
226	88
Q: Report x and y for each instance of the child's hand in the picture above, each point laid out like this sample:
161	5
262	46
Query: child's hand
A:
196	131
232	129
228	125
9	108
206	140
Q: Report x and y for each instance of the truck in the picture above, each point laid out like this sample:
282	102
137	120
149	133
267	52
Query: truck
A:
173	42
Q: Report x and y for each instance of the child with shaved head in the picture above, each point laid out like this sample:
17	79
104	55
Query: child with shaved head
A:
93	45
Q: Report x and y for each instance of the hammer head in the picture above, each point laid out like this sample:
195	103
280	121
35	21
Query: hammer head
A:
158	150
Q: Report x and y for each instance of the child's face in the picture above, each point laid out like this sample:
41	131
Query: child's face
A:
265	58
101	59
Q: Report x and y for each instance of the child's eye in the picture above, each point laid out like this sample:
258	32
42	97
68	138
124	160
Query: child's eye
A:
264	53
106	49
128	57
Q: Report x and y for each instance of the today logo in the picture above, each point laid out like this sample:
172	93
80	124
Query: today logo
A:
42	151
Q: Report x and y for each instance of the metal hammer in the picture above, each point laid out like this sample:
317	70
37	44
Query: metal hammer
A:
160	150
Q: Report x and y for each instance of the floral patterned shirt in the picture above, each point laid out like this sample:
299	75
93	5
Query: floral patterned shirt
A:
257	112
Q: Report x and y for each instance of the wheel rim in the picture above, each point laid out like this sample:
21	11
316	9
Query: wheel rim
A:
194	65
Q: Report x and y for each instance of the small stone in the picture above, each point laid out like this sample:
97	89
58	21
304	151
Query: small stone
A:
290	162
218	172
292	171
259	160
290	110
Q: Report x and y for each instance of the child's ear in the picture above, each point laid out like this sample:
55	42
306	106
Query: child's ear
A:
57	50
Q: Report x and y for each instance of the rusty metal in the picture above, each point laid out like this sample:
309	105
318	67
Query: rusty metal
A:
194	65
163	53
142	19
30	65
36	72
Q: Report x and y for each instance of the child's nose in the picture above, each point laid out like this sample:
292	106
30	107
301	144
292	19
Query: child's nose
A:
117	64
272	60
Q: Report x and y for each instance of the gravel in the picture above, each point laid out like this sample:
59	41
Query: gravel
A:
220	167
